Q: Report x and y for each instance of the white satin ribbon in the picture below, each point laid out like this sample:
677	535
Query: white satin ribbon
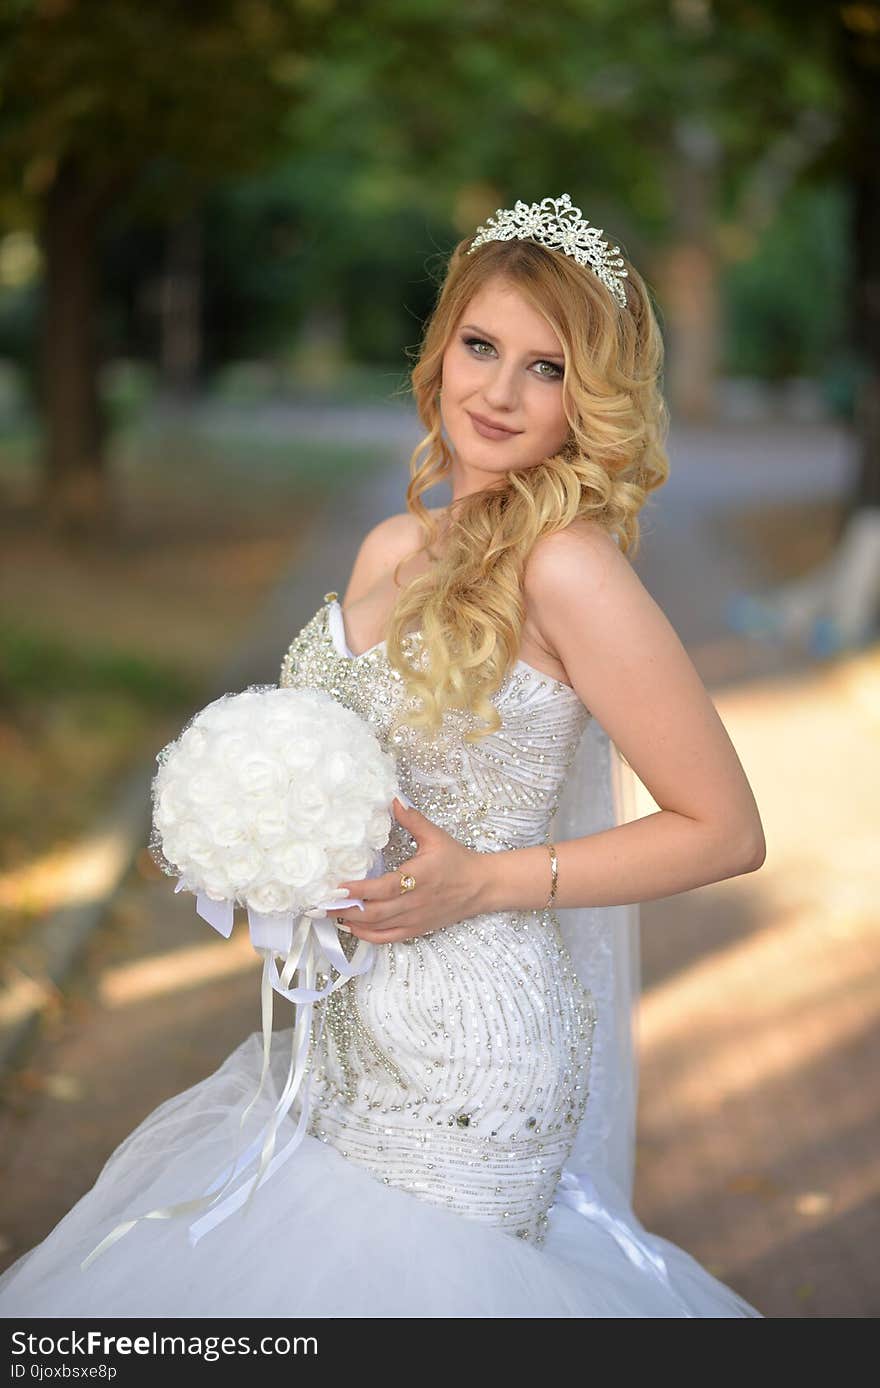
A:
304	939
579	1192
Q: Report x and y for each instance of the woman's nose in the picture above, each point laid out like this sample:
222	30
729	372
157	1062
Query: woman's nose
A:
500	389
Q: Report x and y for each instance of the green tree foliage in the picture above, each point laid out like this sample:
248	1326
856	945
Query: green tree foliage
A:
679	125
163	97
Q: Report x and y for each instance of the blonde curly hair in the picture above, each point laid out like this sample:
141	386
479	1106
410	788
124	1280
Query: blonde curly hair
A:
468	606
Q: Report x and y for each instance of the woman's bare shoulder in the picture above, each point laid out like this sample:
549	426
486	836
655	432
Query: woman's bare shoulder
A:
583	551
401	532
382	548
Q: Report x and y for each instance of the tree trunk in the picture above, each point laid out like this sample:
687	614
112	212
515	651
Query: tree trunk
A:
690	280
76	490
180	302
319	353
859	62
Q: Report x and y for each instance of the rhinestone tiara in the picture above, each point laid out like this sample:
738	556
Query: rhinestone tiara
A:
557	224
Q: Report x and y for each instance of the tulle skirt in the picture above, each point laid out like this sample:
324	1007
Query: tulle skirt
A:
326	1238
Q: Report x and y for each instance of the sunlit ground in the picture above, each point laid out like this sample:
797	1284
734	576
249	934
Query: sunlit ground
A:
760	1019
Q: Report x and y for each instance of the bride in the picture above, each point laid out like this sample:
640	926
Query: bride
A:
469	1146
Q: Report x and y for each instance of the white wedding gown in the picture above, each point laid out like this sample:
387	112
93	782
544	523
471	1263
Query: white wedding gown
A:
448	1084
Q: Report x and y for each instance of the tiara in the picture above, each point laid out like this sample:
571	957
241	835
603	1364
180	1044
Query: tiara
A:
555	223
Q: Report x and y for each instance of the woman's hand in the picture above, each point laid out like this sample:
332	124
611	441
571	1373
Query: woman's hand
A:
449	882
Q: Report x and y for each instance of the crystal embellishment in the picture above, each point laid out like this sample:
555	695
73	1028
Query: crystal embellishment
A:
457	1068
560	226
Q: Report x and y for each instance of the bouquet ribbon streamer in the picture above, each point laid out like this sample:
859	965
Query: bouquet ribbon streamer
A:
303	938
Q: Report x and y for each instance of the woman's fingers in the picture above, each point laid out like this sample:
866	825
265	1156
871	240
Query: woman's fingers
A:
384	888
374	913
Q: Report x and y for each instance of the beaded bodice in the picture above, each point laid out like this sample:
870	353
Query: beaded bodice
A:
499	792
457	1066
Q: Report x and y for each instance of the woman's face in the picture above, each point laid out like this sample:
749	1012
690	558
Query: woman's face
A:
503	363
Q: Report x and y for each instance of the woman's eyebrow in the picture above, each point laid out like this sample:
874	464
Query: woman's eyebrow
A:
472	327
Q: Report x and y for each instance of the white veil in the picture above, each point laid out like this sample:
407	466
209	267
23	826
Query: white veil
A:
603	942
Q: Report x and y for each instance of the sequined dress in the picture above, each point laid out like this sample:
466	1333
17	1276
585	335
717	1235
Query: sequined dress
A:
448	1084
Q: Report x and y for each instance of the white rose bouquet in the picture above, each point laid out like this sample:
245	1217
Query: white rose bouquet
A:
269	798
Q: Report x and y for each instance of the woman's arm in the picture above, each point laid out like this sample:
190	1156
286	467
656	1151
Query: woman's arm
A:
628	665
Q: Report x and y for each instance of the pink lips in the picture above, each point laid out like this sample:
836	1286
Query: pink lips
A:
491	431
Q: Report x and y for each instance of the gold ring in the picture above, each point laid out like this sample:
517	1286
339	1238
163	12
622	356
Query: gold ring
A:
406	882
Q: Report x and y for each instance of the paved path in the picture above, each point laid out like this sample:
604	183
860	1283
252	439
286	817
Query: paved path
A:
758	1139
759	1023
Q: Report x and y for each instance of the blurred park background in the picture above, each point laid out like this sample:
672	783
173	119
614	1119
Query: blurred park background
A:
222	225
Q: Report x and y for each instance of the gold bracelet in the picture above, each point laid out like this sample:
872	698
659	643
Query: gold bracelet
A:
554	875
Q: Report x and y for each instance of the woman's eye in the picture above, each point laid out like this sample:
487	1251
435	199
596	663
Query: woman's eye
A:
555	373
